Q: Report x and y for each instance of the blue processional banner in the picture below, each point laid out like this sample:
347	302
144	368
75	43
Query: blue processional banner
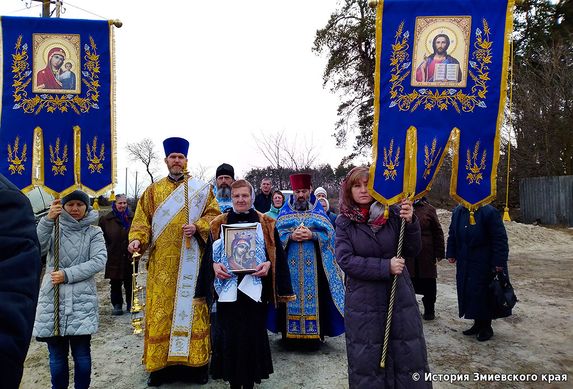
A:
57	125
441	79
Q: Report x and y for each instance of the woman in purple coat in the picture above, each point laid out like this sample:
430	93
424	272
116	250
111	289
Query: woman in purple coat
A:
366	245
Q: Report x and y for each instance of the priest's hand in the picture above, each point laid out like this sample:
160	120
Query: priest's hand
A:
134	246
221	271
263	269
189	230
301	233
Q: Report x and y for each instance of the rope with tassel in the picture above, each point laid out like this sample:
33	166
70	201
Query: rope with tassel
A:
392	298
186	188
506	217
56	268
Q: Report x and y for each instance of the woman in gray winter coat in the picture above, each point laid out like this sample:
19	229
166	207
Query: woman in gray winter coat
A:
82	255
366	246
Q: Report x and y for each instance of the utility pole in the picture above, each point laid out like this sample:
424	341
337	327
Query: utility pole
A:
46	11
46	8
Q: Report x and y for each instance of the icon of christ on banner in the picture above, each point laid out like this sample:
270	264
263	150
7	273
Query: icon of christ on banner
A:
441	46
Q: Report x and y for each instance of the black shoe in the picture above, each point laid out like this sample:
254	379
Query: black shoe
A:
117	311
472	331
429	316
485	334
202	378
154	379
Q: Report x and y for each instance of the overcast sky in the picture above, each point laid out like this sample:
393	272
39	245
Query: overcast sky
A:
217	73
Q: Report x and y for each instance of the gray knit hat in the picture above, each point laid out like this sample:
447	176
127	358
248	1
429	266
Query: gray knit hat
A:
77	195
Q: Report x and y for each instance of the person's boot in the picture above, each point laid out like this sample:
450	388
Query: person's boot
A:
428	311
155	379
429	315
473	330
117	311
202	377
485	331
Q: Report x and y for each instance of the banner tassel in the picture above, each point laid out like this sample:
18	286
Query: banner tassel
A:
96	205
506	217
472	218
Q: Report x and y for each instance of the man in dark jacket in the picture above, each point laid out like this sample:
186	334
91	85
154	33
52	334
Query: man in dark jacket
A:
19	281
265	197
422	268
477	244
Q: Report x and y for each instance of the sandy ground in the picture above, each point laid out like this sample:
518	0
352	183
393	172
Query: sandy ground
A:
537	339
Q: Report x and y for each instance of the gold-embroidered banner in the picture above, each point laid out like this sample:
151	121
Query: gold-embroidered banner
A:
57	125
441	78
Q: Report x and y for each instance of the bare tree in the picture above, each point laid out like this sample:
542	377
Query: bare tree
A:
271	148
200	173
144	151
282	153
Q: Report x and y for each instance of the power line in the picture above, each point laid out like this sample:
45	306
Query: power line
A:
23	9
85	10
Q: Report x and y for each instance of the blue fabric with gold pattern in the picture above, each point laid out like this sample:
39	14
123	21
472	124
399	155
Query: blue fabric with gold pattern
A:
441	82
303	313
57	104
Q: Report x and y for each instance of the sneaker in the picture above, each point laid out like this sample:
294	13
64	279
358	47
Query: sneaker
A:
117	311
485	334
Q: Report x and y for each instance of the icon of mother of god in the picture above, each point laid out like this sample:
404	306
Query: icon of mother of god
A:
48	78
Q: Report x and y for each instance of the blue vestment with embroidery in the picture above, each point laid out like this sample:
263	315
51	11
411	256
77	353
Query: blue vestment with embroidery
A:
305	319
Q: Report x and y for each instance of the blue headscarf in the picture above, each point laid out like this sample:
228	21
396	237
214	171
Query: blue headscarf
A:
122	216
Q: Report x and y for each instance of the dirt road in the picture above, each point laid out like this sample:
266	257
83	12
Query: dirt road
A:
537	339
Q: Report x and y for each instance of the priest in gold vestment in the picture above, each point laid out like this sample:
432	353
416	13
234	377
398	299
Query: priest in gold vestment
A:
175	232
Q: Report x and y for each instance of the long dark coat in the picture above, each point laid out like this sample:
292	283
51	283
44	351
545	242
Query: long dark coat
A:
20	269
118	266
365	259
433	246
478	249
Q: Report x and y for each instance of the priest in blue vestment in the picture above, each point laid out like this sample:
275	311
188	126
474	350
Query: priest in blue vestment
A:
308	239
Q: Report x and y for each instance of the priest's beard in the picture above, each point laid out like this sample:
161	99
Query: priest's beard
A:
301	205
224	192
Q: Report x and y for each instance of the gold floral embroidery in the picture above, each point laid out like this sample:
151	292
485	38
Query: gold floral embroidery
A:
461	102
391	164
95	161
475	170
22	76
431	157
58	163
16	162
